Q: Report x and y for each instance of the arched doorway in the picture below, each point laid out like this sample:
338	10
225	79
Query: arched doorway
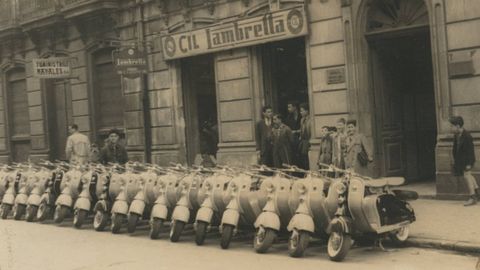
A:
403	97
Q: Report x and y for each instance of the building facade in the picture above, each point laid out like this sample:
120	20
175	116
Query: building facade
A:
401	68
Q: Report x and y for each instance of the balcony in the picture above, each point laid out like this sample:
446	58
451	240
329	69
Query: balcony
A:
79	8
38	13
8	19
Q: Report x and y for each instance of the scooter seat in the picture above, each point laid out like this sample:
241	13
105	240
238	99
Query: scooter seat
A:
385	181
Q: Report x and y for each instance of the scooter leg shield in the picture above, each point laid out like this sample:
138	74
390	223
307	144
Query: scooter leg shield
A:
64	200
21	199
34	199
268	220
301	222
230	217
159	211
181	213
137	207
120	207
83	203
205	214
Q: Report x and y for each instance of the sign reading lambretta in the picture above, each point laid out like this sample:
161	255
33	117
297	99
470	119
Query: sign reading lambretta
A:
130	62
272	26
52	68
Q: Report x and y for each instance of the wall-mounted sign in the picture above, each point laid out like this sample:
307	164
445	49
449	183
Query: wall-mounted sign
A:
335	75
272	26
130	62
52	68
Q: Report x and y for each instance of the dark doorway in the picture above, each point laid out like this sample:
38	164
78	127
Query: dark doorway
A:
285	73
198	80
405	116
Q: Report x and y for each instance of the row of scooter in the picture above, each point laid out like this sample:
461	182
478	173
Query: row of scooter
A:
271	202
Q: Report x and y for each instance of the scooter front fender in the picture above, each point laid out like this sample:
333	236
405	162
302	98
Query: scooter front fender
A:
8	198
301	222
65	200
120	207
340	224
230	217
83	203
34	199
137	207
268	220
205	214
181	213
159	211
48	198
21	198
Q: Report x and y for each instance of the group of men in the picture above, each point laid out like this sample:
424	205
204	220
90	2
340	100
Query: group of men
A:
79	150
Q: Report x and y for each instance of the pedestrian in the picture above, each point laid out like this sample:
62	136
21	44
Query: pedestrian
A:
208	143
77	149
305	135
339	145
326	147
282	142
263	137
463	154
359	151
293	121
113	151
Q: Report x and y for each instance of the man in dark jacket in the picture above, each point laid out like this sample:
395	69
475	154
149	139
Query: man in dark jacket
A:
263	137
282	142
464	158
113	152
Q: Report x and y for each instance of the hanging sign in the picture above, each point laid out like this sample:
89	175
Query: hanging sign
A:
272	26
130	62
52	68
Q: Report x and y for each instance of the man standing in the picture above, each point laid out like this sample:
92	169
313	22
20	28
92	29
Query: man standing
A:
263	137
339	144
113	152
282	142
305	134
78	146
464	158
359	151
293	121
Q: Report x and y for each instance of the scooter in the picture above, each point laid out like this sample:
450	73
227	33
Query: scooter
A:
14	178
368	206
46	174
214	204
5	172
247	197
53	189
70	192
188	204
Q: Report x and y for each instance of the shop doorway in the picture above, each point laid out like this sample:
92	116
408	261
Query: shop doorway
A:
404	99
201	130
285	73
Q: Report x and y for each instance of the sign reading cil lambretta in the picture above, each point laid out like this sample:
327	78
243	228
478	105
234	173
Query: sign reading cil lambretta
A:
277	25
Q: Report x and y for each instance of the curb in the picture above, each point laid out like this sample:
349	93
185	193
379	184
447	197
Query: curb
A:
459	246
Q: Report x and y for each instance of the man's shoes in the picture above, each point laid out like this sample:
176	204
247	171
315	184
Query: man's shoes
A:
471	201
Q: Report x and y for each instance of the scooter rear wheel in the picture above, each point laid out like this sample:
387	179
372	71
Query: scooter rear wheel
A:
117	221
298	243
264	239
132	222
18	211
100	220
61	212
44	211
227	234
5	210
79	217
176	230
201	232
155	227
338	246
31	213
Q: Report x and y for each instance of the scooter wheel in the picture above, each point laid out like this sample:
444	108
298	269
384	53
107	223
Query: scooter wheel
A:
155	227
117	220
61	212
227	234
5	210
100	220
132	222
298	243
31	213
400	237
18	211
338	246
79	217
44	211
176	230
201	232
264	239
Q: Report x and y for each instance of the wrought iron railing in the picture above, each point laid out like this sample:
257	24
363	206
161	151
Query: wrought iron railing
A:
35	9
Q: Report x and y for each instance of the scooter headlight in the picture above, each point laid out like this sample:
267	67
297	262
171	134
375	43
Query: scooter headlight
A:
302	190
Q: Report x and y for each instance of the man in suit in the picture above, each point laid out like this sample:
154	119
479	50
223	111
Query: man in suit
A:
282	142
463	153
263	136
355	144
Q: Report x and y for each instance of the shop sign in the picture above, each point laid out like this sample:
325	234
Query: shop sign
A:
272	26
130	62
52	68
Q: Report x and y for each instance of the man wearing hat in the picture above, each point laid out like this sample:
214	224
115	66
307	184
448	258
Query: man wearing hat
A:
113	152
463	153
